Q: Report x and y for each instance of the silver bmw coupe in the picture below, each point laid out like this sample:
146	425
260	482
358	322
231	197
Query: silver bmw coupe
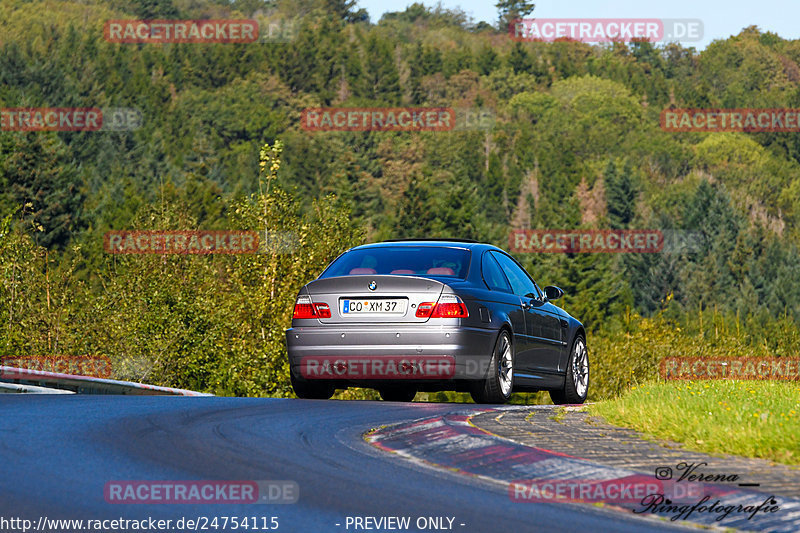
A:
429	315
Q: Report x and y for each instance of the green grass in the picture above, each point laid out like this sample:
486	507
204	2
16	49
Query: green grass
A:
747	418
559	415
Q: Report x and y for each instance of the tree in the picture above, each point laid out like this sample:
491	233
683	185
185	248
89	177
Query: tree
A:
509	10
620	195
417	212
594	289
382	78
415	73
153	9
345	10
36	169
299	60
431	61
519	59
710	215
487	60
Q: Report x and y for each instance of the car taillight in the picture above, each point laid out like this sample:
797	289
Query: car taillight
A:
305	308
448	306
424	310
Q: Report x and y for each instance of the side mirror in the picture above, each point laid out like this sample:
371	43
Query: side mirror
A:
553	293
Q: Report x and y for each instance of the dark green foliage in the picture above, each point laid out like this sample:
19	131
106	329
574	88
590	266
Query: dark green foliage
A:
620	195
487	61
382	82
416	214
153	9
509	10
520	59
36	171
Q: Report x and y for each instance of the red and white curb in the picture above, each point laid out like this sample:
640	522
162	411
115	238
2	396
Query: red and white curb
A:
451	442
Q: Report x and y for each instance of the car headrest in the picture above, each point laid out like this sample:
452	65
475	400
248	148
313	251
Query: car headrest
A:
357	271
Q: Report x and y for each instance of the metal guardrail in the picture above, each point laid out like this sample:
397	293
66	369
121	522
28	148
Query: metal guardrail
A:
13	388
33	379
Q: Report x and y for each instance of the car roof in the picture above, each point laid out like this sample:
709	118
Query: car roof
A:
476	249
450	243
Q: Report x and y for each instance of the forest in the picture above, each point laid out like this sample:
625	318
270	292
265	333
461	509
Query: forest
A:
572	140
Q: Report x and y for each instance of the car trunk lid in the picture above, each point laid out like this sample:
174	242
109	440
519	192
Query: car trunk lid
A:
374	299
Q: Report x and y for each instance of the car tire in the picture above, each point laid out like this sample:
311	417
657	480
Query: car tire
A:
311	390
398	394
498	385
576	384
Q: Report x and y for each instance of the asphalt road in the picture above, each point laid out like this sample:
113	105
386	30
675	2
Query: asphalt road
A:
58	453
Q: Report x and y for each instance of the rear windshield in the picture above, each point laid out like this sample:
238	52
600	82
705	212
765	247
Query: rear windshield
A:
402	261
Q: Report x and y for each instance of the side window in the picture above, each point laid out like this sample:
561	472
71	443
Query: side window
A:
520	282
493	275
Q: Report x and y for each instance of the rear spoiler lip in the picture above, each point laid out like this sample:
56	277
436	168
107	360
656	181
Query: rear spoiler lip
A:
432	277
378	277
445	287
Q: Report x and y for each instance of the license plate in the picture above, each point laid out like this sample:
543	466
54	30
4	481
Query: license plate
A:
386	306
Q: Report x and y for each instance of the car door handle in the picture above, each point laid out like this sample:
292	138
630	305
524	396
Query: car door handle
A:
526	305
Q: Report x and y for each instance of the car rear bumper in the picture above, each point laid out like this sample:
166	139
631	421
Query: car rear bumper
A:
398	353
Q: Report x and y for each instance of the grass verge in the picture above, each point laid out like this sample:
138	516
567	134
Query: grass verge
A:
747	418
